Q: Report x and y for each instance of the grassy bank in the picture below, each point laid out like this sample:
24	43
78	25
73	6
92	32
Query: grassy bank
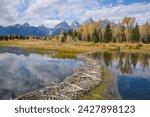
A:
75	47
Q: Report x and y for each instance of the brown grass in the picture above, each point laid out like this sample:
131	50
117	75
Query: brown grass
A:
75	47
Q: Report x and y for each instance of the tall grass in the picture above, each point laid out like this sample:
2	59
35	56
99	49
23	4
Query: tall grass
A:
75	47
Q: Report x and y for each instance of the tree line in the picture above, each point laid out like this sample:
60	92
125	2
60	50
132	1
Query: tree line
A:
127	31
12	37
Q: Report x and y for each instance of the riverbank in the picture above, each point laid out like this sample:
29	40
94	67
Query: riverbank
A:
71	48
85	78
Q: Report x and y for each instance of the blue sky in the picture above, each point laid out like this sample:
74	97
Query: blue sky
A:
52	12
125	2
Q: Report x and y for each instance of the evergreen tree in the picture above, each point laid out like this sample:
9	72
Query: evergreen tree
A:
95	36
65	35
89	37
80	36
108	34
136	34
7	37
100	35
75	34
21	37
63	39
70	32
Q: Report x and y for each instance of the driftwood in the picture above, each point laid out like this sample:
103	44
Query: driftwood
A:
84	79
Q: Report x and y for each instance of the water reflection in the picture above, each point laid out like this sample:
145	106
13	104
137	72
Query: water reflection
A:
20	74
126	63
14	50
133	88
132	71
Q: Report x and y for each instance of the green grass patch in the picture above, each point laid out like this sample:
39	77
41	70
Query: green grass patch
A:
65	55
101	92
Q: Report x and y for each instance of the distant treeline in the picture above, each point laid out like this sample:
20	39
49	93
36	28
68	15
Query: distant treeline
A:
12	37
99	31
127	31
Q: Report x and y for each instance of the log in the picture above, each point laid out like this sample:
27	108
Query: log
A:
81	81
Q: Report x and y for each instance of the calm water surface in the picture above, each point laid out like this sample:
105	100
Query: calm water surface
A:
132	74
21	73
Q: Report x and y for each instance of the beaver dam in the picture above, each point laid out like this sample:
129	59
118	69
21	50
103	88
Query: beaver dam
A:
80	82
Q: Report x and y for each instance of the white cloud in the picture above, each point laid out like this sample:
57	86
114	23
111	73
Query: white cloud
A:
51	12
8	10
61	9
141	11
120	1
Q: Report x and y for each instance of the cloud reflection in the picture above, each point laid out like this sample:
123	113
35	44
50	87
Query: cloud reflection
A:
20	74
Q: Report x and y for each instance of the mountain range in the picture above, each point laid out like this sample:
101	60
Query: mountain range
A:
27	30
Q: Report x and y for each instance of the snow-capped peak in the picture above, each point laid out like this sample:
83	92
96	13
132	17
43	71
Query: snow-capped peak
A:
62	25
90	20
75	25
